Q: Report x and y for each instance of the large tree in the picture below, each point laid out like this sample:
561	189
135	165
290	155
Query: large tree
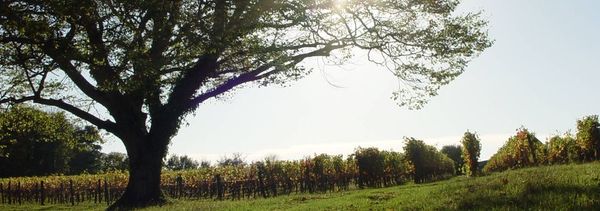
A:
145	65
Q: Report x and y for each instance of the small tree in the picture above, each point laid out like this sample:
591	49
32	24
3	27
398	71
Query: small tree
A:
588	137
471	150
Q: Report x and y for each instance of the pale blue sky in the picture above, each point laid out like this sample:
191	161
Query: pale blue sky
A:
542	73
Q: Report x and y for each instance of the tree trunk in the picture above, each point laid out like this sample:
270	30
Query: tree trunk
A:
143	188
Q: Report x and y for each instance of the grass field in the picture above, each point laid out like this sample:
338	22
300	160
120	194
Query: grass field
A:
562	187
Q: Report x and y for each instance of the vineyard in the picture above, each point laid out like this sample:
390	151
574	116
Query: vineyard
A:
524	149
368	167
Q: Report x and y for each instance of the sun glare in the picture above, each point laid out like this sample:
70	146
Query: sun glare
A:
339	4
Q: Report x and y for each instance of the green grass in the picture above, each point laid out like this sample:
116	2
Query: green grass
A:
563	187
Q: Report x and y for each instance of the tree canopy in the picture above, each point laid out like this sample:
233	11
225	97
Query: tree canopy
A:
163	58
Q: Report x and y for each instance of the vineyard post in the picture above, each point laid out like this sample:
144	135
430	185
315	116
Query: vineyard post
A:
179	180
106	192
61	198
42	194
261	186
9	193
97	194
219	187
89	191
1	194
71	193
36	192
199	189
19	192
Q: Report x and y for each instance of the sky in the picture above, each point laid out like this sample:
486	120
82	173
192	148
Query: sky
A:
541	73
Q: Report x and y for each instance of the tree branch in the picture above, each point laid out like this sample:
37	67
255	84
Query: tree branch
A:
258	73
83	84
103	124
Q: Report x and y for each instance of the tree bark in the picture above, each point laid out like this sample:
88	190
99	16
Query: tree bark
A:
143	188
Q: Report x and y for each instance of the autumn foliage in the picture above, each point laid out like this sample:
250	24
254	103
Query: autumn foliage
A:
524	149
521	150
471	147
588	137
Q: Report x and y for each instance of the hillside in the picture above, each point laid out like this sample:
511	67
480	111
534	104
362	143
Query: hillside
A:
572	187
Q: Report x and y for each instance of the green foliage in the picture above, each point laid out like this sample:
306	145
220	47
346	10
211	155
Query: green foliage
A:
115	161
236	159
184	162
396	168
588	137
562	149
33	142
378	168
521	150
454	152
87	157
159	55
426	162
471	147
371	166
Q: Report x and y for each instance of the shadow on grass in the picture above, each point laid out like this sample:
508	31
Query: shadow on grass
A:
549	197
